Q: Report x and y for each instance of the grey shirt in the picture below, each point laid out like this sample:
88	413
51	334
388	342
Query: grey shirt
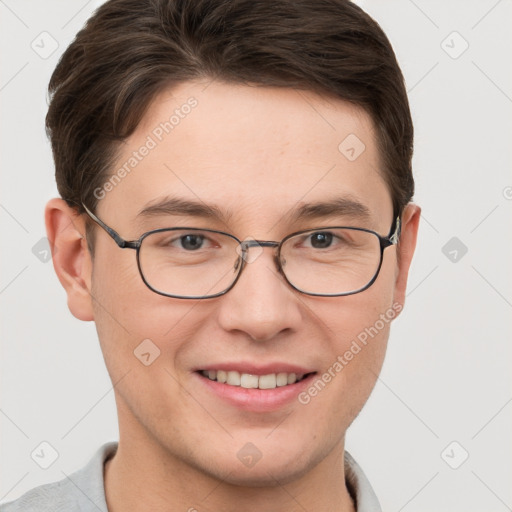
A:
83	491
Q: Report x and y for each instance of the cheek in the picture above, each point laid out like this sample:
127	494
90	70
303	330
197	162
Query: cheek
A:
367	321
143	337
358	329
361	317
127	313
343	386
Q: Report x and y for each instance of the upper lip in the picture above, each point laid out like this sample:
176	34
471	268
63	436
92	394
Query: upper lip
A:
257	369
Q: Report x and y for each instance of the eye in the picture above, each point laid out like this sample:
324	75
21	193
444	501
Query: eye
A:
321	240
185	241
191	242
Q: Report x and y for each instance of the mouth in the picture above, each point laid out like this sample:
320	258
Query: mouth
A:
252	381
257	390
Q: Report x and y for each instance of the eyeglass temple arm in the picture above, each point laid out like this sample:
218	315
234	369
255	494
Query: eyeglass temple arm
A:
121	242
393	239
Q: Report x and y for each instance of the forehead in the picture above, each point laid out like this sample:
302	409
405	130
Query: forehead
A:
256	152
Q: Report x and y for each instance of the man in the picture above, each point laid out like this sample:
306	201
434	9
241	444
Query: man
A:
235	217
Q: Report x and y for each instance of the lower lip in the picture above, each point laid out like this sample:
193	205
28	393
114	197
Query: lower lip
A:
256	400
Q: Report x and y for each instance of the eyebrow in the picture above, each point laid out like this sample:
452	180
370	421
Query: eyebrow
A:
183	207
340	206
345	206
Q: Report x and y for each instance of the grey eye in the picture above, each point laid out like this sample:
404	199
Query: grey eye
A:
321	240
192	242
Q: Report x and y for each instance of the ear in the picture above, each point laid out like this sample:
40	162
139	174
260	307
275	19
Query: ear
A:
65	229
405	249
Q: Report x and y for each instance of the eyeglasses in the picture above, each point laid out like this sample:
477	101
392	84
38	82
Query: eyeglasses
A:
196	263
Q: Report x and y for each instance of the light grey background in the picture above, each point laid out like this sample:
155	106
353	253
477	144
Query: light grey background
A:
447	375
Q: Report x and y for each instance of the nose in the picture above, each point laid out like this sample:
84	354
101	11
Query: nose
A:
261	304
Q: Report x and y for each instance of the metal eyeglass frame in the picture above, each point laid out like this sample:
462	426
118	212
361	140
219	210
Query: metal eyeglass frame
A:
385	241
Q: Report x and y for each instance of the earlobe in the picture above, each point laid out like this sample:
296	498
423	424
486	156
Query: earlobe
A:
405	250
65	230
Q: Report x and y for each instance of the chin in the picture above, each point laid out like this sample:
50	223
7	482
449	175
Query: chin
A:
269	468
269	474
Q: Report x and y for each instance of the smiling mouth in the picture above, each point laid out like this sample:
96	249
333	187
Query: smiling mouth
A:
250	381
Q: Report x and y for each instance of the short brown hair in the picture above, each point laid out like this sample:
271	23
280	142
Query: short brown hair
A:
130	50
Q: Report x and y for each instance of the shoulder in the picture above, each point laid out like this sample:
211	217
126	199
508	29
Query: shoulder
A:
82	491
54	497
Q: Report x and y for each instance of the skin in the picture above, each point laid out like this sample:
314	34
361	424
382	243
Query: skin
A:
257	152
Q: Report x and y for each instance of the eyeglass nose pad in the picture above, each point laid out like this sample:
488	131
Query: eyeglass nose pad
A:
241	250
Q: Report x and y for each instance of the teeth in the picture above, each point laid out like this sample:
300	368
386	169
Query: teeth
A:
233	379
249	381
268	381
282	379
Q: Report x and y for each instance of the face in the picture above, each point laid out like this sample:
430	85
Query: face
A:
257	155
